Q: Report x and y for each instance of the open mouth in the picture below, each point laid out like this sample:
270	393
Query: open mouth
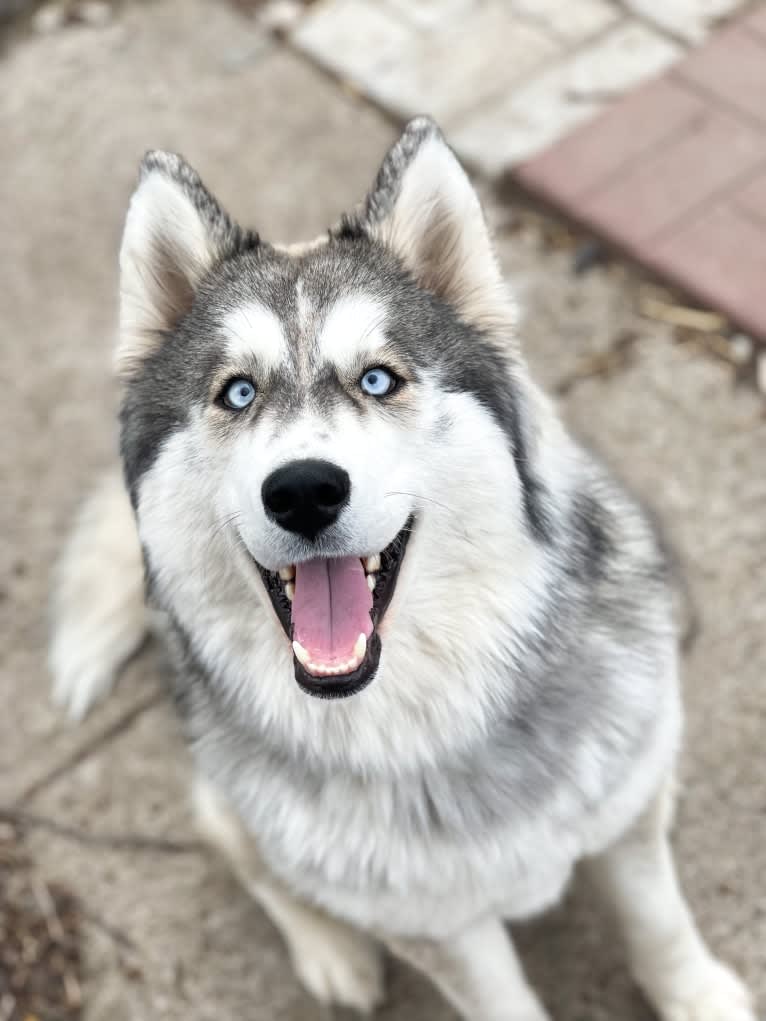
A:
330	609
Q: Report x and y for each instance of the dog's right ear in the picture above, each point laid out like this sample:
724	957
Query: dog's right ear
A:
424	208
175	233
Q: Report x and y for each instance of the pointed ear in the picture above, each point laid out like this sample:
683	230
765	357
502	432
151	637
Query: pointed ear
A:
174	234
424	207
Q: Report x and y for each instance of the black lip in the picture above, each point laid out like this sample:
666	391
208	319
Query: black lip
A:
345	685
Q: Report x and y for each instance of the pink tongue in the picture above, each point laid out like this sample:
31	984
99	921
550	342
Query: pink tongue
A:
331	608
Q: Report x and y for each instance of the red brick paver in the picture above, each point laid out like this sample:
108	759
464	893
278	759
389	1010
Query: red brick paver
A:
757	20
751	197
732	68
675	173
723	254
665	186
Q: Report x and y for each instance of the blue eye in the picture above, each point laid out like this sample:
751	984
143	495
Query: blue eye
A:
378	382
238	394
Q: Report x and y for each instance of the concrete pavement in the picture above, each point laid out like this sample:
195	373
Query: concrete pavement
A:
287	148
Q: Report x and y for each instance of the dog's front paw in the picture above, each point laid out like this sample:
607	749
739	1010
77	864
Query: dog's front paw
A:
338	965
714	994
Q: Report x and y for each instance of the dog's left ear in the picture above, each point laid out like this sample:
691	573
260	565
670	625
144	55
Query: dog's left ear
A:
423	206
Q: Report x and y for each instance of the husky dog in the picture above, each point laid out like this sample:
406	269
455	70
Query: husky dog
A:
424	643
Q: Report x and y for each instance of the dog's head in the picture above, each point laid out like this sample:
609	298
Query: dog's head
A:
333	431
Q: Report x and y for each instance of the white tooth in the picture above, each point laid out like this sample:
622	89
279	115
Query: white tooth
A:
301	654
290	590
372	581
360	647
373	563
287	573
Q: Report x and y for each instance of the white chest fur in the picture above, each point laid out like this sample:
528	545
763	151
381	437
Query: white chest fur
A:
386	856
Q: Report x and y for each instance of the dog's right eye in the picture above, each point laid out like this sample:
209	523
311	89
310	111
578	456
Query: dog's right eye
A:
378	382
237	394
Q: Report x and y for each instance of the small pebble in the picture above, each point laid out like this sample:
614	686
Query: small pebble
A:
587	255
280	15
94	12
50	18
741	347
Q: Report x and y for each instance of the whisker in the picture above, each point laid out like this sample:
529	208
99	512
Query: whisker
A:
418	496
373	327
220	527
462	531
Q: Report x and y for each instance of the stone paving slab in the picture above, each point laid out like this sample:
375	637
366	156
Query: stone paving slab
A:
446	69
687	20
565	21
674	173
506	77
570	23
450	71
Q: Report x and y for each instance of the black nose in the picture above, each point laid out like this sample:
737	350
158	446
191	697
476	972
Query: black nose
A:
306	496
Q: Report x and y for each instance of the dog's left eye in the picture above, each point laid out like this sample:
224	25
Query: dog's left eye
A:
378	382
238	394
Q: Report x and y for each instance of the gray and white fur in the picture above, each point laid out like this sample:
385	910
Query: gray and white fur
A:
525	712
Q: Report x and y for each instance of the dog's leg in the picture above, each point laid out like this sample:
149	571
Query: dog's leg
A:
477	971
669	960
336	963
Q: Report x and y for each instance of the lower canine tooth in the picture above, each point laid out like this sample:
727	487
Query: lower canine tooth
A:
360	647
301	654
290	590
372	581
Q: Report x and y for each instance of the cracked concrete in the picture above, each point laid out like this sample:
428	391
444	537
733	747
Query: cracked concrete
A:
170	934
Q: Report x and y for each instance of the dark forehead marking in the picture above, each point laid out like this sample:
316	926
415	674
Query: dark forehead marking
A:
328	391
288	395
